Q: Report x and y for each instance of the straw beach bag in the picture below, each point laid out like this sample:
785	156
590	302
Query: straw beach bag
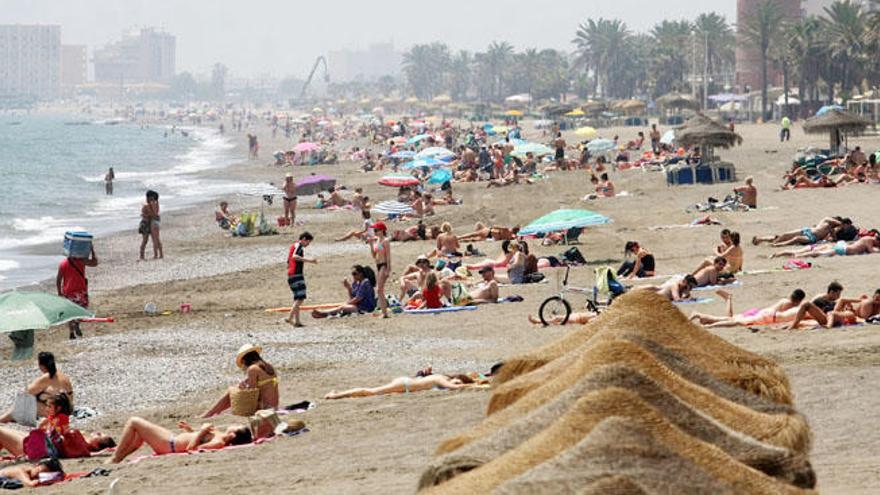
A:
244	401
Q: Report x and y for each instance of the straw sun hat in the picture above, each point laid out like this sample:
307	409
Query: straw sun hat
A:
245	350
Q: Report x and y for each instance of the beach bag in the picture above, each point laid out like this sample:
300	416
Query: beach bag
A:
24	409
74	445
574	256
534	278
36	445
244	401
263	423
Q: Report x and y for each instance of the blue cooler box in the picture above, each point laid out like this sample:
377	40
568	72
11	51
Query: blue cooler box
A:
77	244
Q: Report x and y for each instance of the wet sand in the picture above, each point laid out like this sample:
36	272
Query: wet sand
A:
167	368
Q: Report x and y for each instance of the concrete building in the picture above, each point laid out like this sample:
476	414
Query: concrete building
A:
376	61
74	65
30	61
147	55
748	58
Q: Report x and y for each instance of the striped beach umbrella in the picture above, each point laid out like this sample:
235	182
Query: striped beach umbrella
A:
423	163
393	208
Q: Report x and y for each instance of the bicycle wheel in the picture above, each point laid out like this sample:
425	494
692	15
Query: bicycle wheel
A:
553	308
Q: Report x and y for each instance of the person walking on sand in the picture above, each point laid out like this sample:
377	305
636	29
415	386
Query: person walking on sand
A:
785	132
559	144
109	177
380	246
71	283
296	259
149	226
655	139
289	198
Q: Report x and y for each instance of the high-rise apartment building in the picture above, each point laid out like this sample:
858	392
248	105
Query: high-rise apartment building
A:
30	61
74	65
147	55
375	61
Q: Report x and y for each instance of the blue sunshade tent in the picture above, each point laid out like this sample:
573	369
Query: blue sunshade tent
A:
562	220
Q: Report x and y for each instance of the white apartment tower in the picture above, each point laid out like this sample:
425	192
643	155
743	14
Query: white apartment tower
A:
147	55
30	61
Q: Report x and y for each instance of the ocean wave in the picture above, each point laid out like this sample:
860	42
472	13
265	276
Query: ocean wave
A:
6	265
33	224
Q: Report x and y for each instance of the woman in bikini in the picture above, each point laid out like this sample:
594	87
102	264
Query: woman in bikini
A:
380	246
138	431
500	262
260	375
406	384
149	226
785	310
50	383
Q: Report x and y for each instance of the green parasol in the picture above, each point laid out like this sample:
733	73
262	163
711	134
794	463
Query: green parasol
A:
36	310
562	220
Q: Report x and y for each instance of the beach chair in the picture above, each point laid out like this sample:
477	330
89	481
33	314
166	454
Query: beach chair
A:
573	235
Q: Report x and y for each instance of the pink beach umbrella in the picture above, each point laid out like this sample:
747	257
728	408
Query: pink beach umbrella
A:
306	147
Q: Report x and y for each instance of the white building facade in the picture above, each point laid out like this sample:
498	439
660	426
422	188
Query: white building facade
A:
30	61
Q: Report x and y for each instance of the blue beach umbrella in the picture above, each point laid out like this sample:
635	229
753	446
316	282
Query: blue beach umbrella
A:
533	148
440	176
437	152
828	108
423	163
562	220
417	138
601	145
404	155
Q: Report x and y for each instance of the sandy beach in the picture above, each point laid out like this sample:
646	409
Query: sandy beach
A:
168	368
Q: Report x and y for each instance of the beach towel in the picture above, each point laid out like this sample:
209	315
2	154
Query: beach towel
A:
450	309
738	283
695	300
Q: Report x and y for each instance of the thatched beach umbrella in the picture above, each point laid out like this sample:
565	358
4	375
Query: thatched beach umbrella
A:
556	109
677	100
837	123
702	131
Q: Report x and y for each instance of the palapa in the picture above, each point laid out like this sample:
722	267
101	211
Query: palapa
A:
836	120
677	100
700	130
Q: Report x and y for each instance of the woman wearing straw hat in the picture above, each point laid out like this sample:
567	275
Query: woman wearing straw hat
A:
260	375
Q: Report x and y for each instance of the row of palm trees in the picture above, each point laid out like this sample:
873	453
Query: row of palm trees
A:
823	57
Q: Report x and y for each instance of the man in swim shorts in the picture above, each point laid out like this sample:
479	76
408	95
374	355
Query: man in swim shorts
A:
289	199
296	280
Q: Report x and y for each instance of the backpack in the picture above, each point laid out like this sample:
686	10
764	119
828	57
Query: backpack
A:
573	256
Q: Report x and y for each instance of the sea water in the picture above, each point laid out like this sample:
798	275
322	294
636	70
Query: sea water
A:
52	180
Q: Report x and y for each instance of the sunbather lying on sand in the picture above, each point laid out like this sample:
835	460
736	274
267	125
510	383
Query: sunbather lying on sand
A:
13	441
675	289
406	384
806	235
573	319
481	233
785	310
138	431
866	245
29	476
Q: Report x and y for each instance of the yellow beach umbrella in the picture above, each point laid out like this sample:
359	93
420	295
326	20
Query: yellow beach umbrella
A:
585	132
577	112
513	113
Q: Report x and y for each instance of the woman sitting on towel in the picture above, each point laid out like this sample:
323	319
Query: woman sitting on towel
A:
39	391
643	264
260	375
138	431
406	384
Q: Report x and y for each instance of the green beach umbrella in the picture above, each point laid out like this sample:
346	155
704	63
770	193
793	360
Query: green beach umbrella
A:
562	220
36	310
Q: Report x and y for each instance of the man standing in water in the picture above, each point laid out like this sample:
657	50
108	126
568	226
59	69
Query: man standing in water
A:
289	199
296	259
71	283
109	177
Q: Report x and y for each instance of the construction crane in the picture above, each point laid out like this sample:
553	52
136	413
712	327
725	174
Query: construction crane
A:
319	60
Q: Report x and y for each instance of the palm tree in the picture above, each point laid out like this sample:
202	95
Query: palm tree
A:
715	36
846	33
498	58
672	40
601	49
426	68
460	79
803	39
761	30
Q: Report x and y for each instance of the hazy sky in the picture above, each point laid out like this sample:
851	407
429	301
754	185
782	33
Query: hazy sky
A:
282	37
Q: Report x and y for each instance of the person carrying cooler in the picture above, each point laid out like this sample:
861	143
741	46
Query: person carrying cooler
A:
296	259
71	283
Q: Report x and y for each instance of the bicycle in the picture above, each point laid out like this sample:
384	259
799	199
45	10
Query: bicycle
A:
555	306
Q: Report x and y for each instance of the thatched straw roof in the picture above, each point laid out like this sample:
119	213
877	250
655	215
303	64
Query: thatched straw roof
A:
835	120
640	312
579	421
694	420
619	456
677	100
557	108
630	105
700	130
